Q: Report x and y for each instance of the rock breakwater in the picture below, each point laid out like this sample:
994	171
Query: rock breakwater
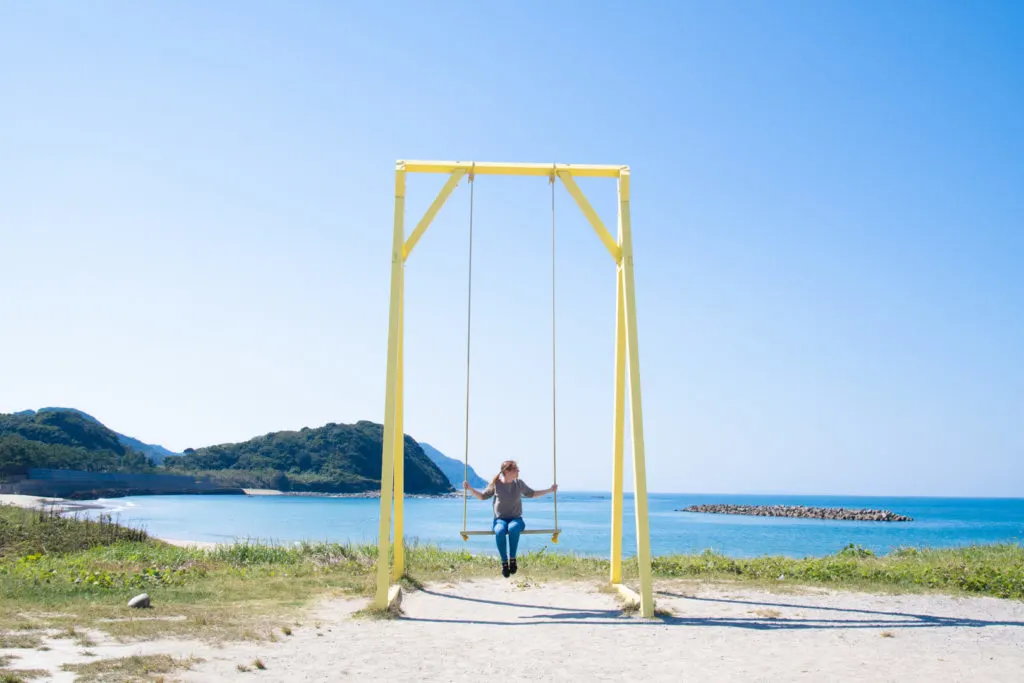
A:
801	511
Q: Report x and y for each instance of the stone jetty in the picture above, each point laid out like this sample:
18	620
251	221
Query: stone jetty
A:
801	511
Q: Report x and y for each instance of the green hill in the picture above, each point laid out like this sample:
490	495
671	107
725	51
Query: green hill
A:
336	458
154	452
63	440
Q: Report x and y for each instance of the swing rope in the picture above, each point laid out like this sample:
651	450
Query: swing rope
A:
469	319
554	421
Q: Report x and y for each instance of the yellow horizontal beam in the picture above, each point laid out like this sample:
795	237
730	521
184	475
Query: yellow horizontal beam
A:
595	221
428	217
492	168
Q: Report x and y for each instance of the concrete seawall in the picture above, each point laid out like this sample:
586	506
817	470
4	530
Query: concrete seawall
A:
75	484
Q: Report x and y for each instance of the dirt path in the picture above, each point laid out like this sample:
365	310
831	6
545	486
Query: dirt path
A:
483	630
490	629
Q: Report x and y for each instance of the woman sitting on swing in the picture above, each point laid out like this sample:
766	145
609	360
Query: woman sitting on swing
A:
508	489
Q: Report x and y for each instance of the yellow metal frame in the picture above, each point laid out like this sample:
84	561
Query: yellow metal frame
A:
627	361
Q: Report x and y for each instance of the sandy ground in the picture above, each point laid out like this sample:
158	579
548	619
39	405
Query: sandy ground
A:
29	501
494	628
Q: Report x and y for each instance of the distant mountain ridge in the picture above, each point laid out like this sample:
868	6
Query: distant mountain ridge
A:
63	440
454	469
335	458
154	452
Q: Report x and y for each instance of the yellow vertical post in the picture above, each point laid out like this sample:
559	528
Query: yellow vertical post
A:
618	431
399	566
388	450
643	540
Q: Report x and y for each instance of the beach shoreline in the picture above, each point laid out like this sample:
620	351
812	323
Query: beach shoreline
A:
62	505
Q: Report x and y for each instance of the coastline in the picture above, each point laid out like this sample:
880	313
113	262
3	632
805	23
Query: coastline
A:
70	505
63	506
44	503
358	494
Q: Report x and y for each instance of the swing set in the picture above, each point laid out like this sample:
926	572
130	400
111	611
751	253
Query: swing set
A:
627	364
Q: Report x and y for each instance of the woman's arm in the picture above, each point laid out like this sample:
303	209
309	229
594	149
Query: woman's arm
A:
531	493
479	495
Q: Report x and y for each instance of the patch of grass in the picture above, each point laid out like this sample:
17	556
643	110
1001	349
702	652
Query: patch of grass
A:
630	607
286	630
128	668
21	675
24	532
79	637
5	660
258	663
887	634
373	612
243	668
996	570
14	641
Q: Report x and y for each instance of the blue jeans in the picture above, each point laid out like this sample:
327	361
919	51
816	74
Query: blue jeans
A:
510	528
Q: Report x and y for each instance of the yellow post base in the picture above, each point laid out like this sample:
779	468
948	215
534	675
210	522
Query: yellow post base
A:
627	593
394	598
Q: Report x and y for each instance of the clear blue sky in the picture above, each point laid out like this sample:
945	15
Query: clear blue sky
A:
828	209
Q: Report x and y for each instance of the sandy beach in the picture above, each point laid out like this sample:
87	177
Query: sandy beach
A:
31	501
490	628
41	503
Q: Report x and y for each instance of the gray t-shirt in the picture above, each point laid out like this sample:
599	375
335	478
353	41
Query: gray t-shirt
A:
508	498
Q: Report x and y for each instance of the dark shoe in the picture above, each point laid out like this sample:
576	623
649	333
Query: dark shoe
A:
504	569
512	566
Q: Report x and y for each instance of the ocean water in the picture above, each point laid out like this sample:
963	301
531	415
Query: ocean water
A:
585	522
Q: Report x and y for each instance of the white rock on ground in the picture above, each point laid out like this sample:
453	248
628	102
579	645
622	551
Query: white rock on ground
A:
139	601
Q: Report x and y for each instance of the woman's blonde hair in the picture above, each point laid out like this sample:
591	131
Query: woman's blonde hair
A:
505	467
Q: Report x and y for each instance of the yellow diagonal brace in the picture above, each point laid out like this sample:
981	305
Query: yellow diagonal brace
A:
428	217
588	211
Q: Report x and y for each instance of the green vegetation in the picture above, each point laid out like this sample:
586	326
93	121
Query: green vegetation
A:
74	575
37	532
336	458
21	675
128	668
63	440
13	641
996	570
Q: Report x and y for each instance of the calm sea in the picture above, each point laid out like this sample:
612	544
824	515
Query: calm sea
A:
584	519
